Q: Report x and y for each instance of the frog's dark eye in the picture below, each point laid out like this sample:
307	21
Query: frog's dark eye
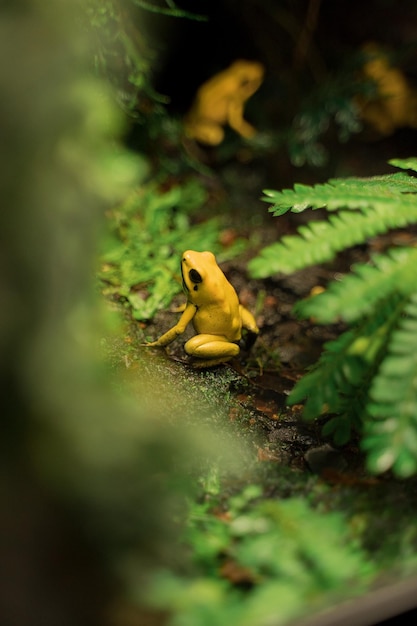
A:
195	277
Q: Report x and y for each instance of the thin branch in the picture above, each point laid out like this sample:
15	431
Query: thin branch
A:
306	35
172	10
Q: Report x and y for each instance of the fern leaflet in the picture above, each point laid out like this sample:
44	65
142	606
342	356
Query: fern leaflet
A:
341	193
405	164
391	434
339	384
359	292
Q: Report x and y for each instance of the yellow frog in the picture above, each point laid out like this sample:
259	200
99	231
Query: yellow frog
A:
221	100
395	102
214	309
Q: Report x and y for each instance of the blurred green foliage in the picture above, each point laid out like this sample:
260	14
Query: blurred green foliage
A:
122	54
260	561
91	479
328	109
365	380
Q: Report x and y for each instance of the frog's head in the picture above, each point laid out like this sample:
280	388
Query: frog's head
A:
200	276
250	75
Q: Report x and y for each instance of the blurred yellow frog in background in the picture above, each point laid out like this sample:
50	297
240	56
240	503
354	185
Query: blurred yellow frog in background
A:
395	102
214	309
221	101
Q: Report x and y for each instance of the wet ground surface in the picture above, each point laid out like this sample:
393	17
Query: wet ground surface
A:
284	351
257	383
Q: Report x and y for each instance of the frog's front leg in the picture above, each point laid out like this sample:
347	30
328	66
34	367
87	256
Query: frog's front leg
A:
248	322
211	349
237	121
178	329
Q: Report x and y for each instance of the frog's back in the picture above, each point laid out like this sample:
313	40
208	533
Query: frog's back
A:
221	316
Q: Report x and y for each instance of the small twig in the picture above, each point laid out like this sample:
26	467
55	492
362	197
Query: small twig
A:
172	10
307	31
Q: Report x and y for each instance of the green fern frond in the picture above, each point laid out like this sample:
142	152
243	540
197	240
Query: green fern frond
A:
405	164
366	207
320	387
366	380
341	193
339	383
319	242
358	293
391	435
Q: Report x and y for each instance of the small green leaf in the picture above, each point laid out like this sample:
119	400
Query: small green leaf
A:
339	428
405	164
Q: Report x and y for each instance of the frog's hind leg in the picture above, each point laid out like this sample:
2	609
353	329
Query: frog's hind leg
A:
210	350
206	132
